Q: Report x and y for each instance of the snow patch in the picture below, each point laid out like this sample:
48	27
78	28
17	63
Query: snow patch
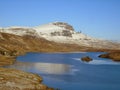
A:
47	28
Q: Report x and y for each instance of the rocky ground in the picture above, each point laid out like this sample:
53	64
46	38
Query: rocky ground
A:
11	79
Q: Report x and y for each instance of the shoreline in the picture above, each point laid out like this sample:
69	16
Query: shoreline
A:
8	60
12	60
19	80
12	79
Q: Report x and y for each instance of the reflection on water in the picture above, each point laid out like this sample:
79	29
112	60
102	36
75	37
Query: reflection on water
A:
51	68
48	68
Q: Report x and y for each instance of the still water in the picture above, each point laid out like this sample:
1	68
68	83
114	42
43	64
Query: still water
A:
67	72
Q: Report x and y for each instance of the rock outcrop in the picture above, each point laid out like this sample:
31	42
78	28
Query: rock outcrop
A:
64	25
86	59
115	56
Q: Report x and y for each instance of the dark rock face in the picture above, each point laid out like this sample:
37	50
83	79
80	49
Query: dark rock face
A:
63	33
65	25
67	33
115	56
86	59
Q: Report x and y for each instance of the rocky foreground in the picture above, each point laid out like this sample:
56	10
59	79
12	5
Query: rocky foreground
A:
11	79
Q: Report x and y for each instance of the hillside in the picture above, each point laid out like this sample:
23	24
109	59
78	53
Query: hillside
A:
14	45
10	42
61	32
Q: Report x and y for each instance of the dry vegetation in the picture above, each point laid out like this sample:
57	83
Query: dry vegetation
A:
11	79
6	60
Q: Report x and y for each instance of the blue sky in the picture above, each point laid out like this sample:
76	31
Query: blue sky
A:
97	18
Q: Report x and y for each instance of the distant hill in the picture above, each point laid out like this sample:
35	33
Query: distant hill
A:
56	36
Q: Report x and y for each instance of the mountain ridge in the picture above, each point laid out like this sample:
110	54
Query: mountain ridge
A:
61	32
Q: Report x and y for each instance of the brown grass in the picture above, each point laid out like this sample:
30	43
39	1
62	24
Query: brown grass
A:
6	60
21	44
11	79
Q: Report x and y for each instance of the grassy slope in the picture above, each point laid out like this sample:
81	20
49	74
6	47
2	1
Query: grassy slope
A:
13	45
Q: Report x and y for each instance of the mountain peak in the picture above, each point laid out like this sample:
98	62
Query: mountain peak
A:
64	25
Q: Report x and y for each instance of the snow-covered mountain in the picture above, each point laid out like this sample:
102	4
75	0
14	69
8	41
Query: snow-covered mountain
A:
60	32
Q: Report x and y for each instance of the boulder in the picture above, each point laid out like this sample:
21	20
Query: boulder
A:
86	59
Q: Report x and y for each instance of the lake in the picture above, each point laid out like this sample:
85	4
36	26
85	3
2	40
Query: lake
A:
67	72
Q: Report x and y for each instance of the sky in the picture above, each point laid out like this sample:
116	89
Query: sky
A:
96	18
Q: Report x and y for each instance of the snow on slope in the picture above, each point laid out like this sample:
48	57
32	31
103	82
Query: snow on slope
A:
17	30
60	32
47	28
